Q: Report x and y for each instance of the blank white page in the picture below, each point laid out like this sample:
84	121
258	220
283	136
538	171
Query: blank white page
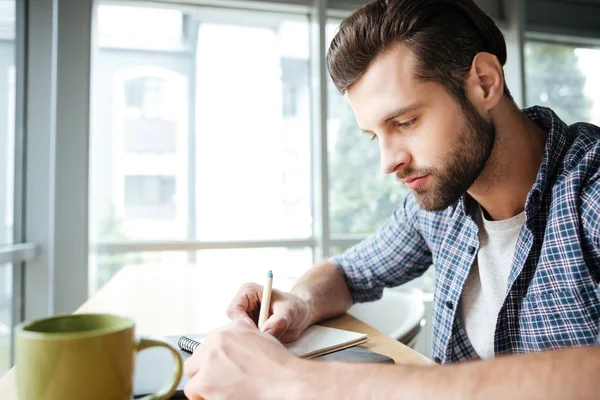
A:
318	340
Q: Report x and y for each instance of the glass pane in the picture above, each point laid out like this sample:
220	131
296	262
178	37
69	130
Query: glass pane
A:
287	264
253	131
208	140
7	118
140	125
139	27
6	274
564	78
103	267
361	197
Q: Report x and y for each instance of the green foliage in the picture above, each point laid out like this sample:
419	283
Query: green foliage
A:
361	196
554	80
110	228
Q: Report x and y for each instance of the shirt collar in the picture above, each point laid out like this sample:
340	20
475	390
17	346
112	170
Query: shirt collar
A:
556	145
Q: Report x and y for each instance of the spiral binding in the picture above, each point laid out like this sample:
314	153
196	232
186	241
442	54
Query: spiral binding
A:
187	344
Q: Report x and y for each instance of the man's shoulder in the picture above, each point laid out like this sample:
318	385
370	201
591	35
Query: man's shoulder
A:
581	161
585	140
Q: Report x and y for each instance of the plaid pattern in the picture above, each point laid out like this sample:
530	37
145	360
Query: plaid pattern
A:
551	299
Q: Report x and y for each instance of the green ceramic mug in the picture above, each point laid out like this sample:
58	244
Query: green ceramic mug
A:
82	356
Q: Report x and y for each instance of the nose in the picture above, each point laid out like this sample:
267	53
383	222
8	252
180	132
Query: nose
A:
393	158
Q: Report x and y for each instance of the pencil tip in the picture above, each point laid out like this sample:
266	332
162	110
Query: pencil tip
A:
270	274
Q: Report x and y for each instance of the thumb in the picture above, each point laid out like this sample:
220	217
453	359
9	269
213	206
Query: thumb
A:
276	325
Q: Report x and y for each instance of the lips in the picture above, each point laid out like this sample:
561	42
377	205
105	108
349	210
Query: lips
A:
415	182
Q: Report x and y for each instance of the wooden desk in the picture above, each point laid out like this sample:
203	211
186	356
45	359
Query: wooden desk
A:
171	300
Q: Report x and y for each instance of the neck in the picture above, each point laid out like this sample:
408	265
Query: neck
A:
512	168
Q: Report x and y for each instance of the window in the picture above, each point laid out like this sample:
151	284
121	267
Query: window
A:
140	27
289	100
140	127
564	78
8	160
149	197
286	263
7	127
6	297
154	111
7	147
143	97
150	136
294	74
361	197
253	164
208	141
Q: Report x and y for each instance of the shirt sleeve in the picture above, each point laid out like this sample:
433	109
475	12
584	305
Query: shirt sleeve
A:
590	217
598	338
590	210
395	254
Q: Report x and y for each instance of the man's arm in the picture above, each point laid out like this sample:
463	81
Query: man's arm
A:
324	289
239	359
559	374
395	254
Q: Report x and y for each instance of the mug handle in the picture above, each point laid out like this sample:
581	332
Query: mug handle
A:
167	391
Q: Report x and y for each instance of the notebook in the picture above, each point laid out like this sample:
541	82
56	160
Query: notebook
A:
154	366
315	341
318	340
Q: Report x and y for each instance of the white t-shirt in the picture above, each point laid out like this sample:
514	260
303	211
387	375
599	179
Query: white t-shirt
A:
485	288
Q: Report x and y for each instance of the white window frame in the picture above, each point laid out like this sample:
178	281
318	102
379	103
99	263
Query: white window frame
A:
58	68
19	252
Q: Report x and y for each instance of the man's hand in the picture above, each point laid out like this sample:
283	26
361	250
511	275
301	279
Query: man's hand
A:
239	362
289	314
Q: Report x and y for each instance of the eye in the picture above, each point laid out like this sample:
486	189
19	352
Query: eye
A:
406	124
373	136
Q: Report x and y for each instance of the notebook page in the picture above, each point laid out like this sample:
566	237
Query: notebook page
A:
314	341
319	340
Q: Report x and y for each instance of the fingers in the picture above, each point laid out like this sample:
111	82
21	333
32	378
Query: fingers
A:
193	364
190	367
245	307
238	313
276	325
193	389
291	335
247	321
246	302
224	359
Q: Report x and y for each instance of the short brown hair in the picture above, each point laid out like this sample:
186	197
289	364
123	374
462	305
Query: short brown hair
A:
444	35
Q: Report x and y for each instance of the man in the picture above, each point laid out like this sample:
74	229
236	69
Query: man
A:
504	202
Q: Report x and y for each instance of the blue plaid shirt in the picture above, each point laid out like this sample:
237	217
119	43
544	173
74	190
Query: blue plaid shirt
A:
551	299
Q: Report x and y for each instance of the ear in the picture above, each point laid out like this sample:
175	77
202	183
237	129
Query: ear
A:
485	82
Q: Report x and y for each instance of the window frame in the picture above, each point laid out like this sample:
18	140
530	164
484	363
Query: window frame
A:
19	251
51	204
322	241
319	15
58	64
558	39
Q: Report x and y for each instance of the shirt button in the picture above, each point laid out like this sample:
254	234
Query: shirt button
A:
471	249
437	360
449	304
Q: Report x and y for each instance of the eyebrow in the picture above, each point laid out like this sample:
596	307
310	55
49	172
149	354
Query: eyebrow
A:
395	113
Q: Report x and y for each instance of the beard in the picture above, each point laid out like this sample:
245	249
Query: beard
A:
465	163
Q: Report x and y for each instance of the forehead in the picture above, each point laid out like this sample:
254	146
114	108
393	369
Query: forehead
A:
388	83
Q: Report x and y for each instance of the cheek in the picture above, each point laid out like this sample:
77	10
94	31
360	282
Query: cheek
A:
432	145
